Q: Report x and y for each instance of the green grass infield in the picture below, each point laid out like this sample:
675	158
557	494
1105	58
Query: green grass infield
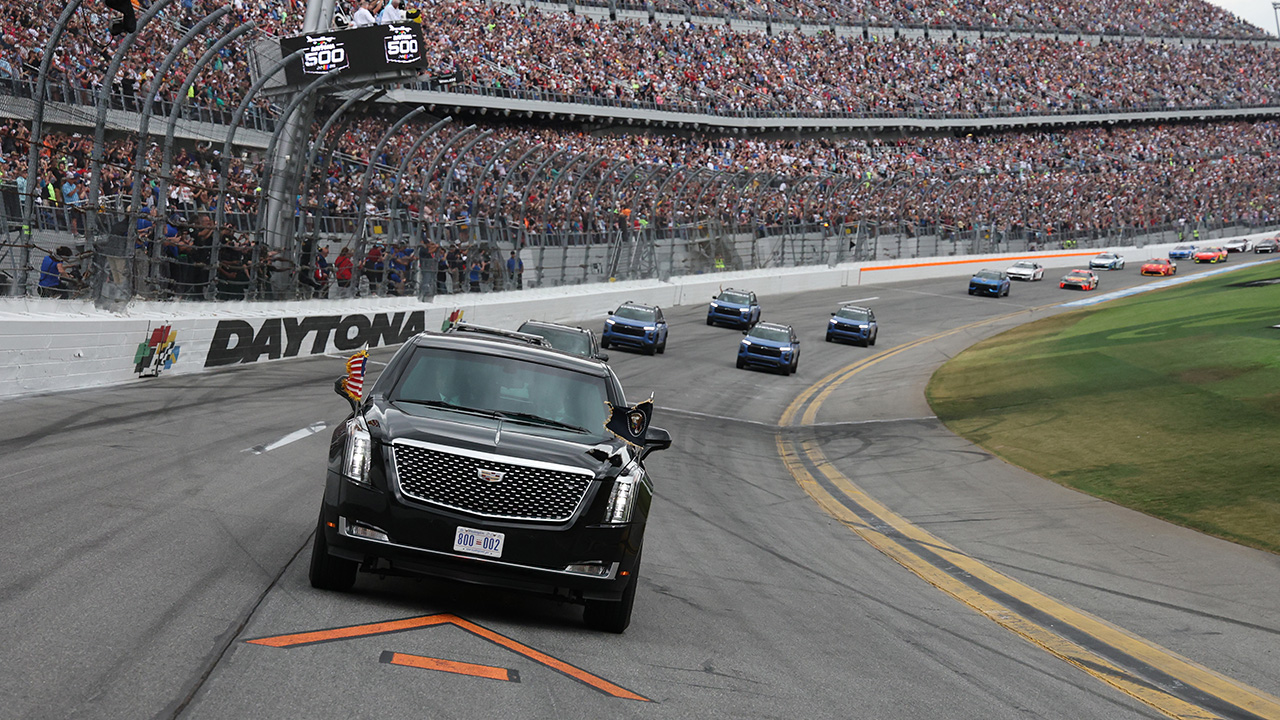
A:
1167	402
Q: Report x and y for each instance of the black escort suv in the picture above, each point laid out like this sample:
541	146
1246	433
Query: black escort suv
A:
484	458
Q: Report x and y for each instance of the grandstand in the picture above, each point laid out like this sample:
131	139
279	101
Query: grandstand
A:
637	141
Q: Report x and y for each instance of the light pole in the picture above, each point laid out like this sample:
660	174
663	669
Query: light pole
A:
1275	8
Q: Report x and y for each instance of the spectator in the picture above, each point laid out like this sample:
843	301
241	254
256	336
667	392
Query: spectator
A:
374	265
364	15
343	267
391	13
55	273
515	272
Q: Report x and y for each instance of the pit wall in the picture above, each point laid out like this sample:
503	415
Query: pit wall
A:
52	345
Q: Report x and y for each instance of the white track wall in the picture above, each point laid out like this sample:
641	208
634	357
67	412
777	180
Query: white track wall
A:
50	345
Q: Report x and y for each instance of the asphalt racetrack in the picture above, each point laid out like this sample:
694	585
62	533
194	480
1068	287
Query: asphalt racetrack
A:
819	547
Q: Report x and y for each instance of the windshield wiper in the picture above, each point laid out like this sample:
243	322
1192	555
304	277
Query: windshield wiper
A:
450	406
531	419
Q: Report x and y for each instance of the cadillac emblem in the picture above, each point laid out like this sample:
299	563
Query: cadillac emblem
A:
490	476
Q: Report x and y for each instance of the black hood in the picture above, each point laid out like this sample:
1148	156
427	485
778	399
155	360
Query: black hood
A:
387	423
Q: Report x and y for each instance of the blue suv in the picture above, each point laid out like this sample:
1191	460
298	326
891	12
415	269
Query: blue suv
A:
771	346
637	326
737	308
989	282
853	323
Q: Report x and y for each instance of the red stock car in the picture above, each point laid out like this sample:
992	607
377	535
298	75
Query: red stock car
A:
1080	279
1210	255
1159	266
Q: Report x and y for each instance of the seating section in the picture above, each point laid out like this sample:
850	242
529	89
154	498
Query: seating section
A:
508	50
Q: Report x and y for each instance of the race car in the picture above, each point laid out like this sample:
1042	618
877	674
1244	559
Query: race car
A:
1210	255
989	282
1237	245
1107	261
1267	246
1080	279
1182	252
1159	266
1025	270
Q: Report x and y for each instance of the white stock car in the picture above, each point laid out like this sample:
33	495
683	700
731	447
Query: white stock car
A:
1107	261
1025	270
1238	245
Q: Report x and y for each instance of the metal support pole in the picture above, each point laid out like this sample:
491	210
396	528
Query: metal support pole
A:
367	94
100	128
37	132
367	179
144	123
428	171
404	163
166	166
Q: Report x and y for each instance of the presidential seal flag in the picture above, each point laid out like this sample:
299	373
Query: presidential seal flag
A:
353	383
630	423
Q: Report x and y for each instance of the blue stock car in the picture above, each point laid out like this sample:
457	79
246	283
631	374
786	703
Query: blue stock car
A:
770	346
737	308
637	326
854	324
989	282
1182	252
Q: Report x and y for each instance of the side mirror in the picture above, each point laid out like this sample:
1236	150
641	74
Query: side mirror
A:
610	312
655	438
833	314
602	357
342	392
744	332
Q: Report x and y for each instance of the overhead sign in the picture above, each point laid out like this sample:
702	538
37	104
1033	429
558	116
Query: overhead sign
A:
355	51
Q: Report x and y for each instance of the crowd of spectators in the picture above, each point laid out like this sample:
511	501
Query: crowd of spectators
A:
1086	178
498	48
1177	18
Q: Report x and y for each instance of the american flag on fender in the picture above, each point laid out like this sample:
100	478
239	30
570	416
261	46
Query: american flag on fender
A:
355	375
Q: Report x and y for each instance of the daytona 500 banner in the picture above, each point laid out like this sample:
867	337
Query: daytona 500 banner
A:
355	51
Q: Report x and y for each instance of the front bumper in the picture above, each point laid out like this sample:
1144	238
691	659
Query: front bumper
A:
737	319
647	340
984	289
751	359
534	559
859	335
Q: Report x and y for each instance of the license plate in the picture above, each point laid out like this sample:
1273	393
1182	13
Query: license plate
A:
478	542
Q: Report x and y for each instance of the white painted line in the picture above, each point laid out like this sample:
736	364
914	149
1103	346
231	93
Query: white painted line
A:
294	436
860	300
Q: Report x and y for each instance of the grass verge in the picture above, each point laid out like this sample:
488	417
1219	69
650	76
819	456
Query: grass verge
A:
1167	402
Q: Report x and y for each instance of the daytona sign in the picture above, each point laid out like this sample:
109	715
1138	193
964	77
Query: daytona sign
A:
238	341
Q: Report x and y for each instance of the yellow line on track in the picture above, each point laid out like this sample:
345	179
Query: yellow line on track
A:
1161	659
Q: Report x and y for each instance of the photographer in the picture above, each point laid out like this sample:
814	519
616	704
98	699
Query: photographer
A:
55	273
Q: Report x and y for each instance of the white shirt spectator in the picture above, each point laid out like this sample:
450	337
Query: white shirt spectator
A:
391	13
363	17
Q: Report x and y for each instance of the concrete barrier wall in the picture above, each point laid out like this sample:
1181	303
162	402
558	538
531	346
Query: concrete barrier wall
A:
50	345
